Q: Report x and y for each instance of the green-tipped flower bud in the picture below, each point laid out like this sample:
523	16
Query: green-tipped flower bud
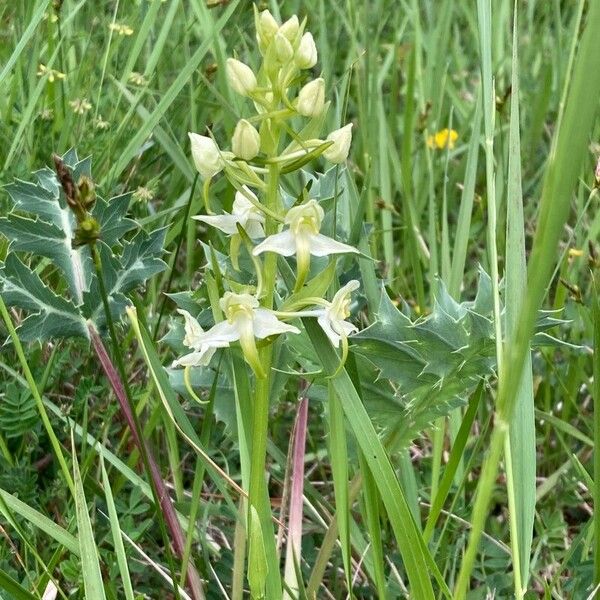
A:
267	27
283	48
290	28
240	76
87	232
306	55
246	140
342	138
87	194
206	155
311	98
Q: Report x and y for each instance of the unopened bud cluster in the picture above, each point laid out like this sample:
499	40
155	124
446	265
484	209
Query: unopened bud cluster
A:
280	91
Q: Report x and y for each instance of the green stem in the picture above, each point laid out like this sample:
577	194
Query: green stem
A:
258	492
485	487
138	429
36	395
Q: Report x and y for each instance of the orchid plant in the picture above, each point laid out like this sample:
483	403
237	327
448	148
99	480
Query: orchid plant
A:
266	222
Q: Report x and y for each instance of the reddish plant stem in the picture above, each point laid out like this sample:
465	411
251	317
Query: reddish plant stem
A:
164	499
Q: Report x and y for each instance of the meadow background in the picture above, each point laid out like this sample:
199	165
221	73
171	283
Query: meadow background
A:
123	82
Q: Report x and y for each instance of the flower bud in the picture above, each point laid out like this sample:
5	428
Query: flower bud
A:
290	28
267	27
246	141
241	77
306	55
206	155
87	194
283	48
338	152
311	98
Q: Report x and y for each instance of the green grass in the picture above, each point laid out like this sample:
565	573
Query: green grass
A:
467	469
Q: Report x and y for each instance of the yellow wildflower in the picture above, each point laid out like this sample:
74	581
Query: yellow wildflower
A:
143	194
575	252
80	106
137	78
121	29
51	73
445	138
100	123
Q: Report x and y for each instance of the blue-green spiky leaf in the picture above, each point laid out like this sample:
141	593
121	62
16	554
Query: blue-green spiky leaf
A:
52	315
433	362
43	225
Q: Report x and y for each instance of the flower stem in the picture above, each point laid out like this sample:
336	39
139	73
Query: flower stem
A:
259	493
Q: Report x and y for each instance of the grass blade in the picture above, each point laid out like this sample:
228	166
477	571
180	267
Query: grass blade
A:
116	535
90	565
521	439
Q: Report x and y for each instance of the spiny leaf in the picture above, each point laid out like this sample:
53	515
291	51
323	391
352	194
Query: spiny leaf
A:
141	258
434	362
48	230
46	239
52	315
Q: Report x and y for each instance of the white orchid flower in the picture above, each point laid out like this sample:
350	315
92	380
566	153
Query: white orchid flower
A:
240	76
194	338
245	142
303	239
245	321
283	48
332	317
290	28
243	212
311	98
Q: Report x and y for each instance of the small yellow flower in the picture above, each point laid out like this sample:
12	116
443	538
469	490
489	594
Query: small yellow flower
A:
47	114
137	78
121	29
80	106
575	252
445	138
100	123
143	194
52	16
51	73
